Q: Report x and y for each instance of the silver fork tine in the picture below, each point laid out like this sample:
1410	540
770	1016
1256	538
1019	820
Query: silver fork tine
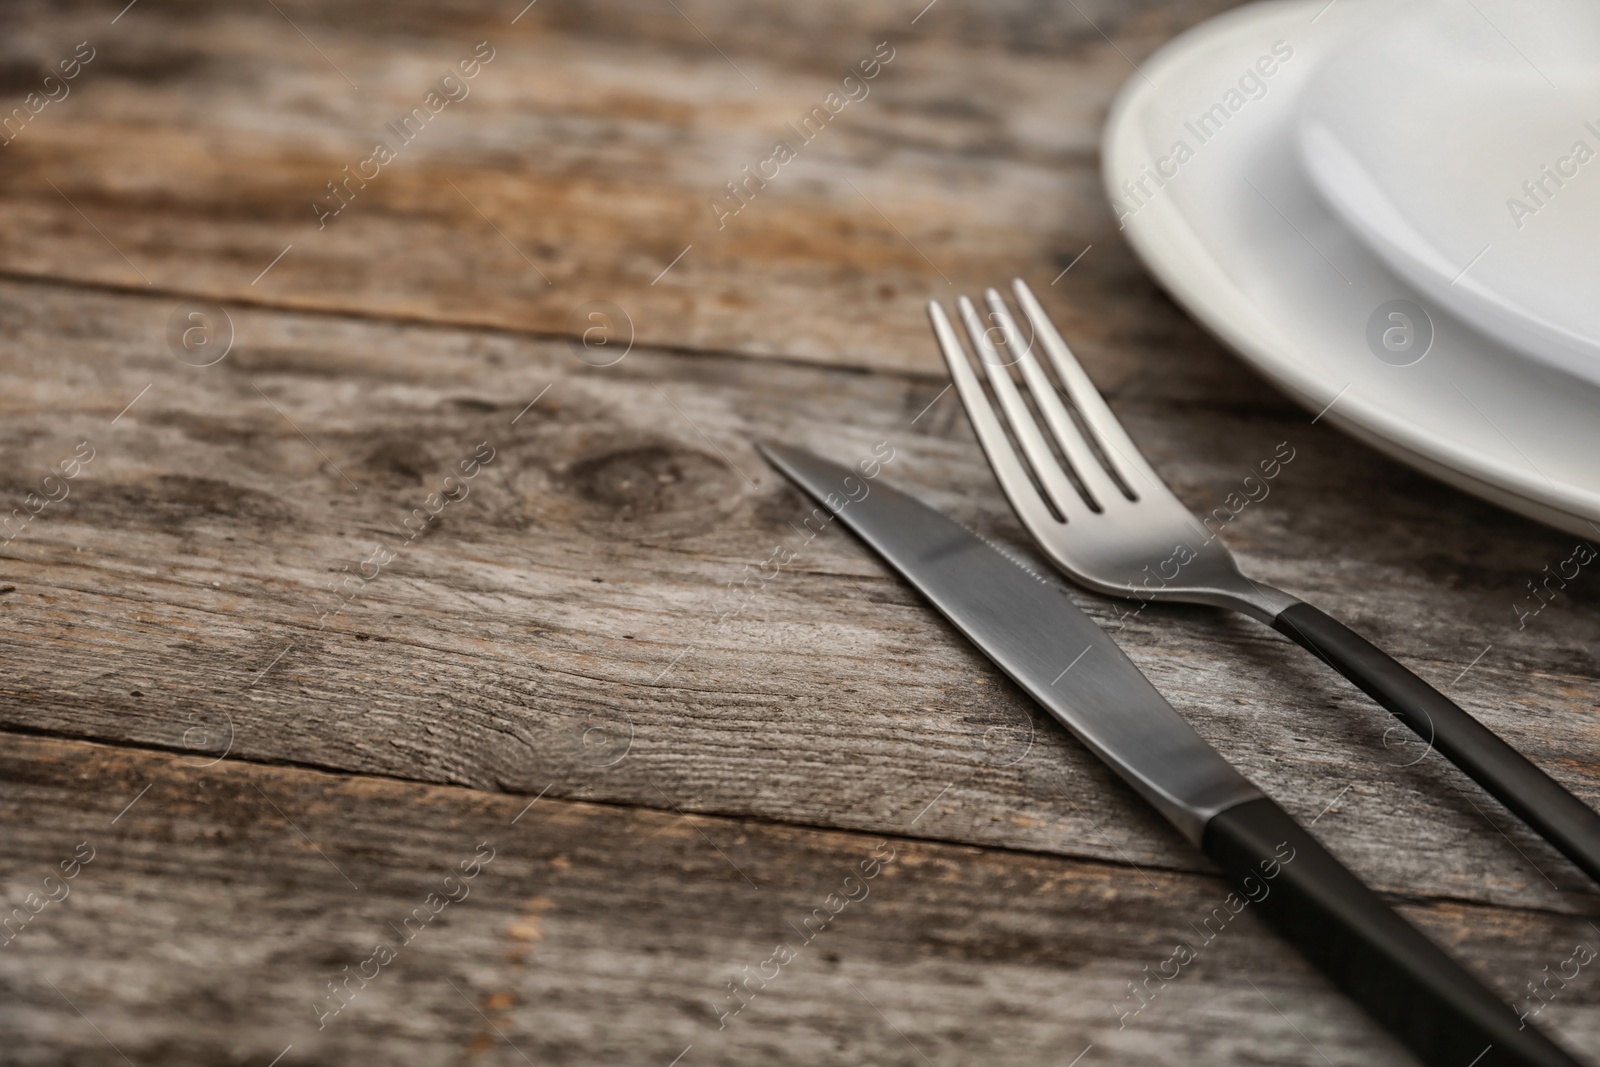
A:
1123	455
1068	501
1080	456
1008	469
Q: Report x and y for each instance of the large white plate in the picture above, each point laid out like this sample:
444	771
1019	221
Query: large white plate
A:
1238	236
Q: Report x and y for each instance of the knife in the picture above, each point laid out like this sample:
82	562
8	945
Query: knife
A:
1048	646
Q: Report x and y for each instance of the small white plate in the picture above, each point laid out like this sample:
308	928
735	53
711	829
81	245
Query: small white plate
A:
1469	161
1232	228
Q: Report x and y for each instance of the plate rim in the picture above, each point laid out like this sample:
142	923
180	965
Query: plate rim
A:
1175	256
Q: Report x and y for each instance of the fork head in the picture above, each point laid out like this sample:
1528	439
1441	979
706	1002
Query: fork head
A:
1075	479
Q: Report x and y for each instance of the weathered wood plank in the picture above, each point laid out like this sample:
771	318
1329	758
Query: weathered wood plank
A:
178	597
595	143
568	630
221	901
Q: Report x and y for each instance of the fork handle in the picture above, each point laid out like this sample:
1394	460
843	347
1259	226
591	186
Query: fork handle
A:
1532	795
1444	1014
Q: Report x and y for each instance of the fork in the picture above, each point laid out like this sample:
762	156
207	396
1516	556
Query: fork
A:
1103	516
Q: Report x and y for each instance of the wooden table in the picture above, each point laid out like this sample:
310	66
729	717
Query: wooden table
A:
354	758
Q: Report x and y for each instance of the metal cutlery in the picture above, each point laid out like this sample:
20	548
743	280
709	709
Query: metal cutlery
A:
1103	516
1036	635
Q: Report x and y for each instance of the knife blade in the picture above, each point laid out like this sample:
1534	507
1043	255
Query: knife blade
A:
1028	627
1033	632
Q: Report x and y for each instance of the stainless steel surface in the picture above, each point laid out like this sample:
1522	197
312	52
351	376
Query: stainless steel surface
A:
1097	509
1032	631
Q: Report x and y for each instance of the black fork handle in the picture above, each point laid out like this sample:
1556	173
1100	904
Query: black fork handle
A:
1532	795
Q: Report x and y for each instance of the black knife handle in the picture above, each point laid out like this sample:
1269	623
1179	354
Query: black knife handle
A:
1430	1002
1561	818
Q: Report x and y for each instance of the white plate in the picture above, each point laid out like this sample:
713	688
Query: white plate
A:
1482	187
1240	239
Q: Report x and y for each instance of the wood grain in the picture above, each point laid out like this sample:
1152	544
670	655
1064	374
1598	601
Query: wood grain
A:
711	751
585	160
220	903
569	625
